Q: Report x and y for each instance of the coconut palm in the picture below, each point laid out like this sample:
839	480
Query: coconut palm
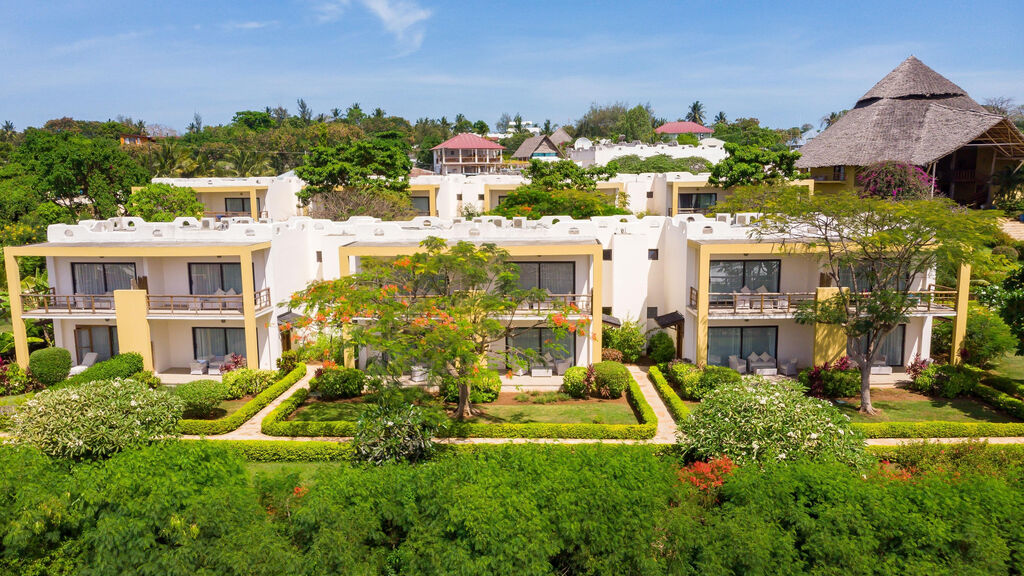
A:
696	113
720	118
832	118
169	160
242	163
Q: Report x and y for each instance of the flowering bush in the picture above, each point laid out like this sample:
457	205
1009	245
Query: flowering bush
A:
13	380
96	419
837	379
894	180
708	475
917	366
232	362
756	420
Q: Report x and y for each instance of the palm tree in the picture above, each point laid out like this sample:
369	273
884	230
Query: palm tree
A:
518	123
720	118
696	113
379	113
832	118
170	159
241	163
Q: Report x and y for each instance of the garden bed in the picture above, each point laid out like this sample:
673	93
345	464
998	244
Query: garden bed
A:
897	405
232	420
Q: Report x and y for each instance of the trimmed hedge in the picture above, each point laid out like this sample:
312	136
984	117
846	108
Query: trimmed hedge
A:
247	411
1000	400
287	450
49	366
1005	385
120	366
276	425
676	407
938	429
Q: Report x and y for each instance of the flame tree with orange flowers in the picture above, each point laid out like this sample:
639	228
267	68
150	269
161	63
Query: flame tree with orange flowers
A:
442	307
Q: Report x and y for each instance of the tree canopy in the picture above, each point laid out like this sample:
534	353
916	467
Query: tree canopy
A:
560	189
163	203
750	165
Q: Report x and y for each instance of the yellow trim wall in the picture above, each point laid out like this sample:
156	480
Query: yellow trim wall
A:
829	339
14	299
428	190
133	335
488	188
963	284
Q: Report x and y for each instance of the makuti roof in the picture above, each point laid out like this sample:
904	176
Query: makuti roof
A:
560	137
682	128
468	141
533	144
913	115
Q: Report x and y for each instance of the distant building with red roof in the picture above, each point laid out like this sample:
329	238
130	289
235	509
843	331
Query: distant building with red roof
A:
467	154
675	128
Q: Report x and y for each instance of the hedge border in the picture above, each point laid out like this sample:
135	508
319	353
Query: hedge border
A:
119	366
248	410
288	450
676	407
276	425
938	429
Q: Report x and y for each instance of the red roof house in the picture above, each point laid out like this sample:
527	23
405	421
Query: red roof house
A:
468	141
467	154
682	128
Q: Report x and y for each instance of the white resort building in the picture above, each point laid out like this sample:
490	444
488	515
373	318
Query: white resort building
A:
185	294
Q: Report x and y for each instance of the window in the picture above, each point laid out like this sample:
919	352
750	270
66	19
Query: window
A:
697	201
650	193
208	278
728	276
741	341
208	342
606	310
543	341
458	197
319	256
839	173
606	254
555	277
652	311
241	205
652	254
891	347
422	205
99	339
862	280
97	278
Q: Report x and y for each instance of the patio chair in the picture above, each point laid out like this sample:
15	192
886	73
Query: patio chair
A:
87	361
738	364
198	366
214	365
789	367
881	366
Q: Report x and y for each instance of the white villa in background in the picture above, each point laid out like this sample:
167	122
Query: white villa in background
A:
187	293
467	154
528	126
586	153
258	197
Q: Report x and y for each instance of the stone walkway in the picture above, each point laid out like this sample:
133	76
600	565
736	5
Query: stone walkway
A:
1014	228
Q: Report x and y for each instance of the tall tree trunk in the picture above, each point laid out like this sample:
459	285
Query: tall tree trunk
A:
465	408
865	388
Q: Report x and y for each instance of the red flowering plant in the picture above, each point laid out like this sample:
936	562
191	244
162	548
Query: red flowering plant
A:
895	181
708	476
442	307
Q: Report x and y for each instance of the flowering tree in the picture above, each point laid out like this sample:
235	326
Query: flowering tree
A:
442	307
895	181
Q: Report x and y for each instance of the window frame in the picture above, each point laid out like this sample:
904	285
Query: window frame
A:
694	196
742	329
778	280
106	289
222	328
220	266
541	262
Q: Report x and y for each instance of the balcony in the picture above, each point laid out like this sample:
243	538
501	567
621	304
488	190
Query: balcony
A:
556	302
939	301
51	305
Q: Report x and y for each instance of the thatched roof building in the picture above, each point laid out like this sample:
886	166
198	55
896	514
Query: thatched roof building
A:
539	146
917	116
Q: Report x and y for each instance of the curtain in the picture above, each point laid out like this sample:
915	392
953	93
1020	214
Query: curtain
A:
235	341
760	339
237	205
205	278
697	201
762	273
119	276
421	205
891	346
88	278
99	339
722	343
208	342
528	273
232	275
557	277
559	348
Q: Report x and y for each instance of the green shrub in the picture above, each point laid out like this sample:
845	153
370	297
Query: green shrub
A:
831	380
611	354
970	456
712	377
287	362
1000	400
611	379
757	420
947	381
988	337
200	397
96	419
1008	251
939	429
661	347
248	381
340	382
393	430
276	423
483	387
49	365
682	374
146	377
675	405
627	338
247	411
1007	385
924	382
574	382
120	366
287	450
14	380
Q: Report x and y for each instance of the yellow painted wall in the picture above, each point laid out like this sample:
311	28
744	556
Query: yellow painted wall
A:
829	339
14	293
963	284
133	333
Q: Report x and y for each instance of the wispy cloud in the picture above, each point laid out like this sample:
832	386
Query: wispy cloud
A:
403	19
86	44
249	25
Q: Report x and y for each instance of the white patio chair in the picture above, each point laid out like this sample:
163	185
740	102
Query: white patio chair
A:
87	361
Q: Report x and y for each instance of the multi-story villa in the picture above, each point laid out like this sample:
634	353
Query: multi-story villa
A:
273	197
187	293
467	154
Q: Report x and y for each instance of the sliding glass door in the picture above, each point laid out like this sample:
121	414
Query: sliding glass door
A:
99	339
543	341
892	346
209	278
741	341
207	342
101	278
728	276
555	277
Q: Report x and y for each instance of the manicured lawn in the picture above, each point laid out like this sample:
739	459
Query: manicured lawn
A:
581	411
904	406
12	400
1011	367
330	411
227	408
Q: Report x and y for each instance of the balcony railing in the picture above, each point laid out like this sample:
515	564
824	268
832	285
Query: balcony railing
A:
204	303
554	302
59	304
938	299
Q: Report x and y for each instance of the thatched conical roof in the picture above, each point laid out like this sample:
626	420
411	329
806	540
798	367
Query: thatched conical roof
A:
913	115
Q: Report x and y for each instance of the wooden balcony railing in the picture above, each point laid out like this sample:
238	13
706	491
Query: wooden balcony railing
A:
51	303
582	302
204	303
934	300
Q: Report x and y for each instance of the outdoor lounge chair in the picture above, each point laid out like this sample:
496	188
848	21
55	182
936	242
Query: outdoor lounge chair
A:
763	364
198	366
214	365
87	361
738	364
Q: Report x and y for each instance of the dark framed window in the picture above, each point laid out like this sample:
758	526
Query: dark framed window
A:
543	341
217	341
208	278
100	339
652	311
839	173
696	201
741	341
652	254
458	197
101	277
555	277
606	254
240	205
319	256
650	193
606	310
728	276
422	205
848	277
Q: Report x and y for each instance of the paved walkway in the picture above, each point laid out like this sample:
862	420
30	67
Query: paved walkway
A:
1015	228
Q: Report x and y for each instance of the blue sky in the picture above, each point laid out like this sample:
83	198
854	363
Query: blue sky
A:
785	63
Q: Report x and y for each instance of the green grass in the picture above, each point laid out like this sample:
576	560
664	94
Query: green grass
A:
1011	367
226	408
304	469
13	400
331	411
916	408
572	413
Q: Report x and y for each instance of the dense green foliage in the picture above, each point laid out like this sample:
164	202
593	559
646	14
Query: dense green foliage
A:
1008	300
675	405
611	379
484	387
1008	403
627	339
248	381
247	411
694	383
49	365
831	380
200	397
148	378
574	382
660	163
340	382
163	203
762	421
560	189
947	380
120	366
753	166
520	510
395	430
988	337
96	419
895	181
661	347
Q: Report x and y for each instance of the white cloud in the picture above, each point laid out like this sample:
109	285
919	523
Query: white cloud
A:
249	25
402	18
97	41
